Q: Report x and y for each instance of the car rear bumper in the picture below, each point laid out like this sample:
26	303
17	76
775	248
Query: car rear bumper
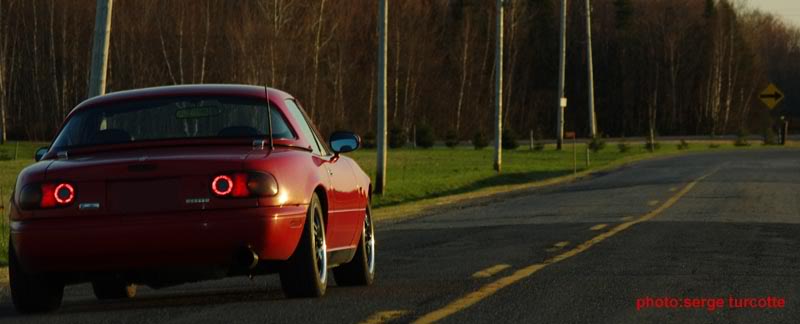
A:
197	238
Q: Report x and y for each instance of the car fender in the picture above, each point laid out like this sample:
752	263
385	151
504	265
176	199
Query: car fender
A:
297	174
34	173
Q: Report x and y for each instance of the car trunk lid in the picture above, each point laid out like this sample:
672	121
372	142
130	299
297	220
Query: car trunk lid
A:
150	180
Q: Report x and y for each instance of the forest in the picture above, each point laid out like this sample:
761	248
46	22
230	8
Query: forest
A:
679	67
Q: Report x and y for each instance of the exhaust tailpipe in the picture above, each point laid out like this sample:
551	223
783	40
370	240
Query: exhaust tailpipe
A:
246	258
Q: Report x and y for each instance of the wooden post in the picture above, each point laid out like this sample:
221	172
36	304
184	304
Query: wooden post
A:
573	136
587	156
574	155
562	57
498	90
531	143
102	34
380	172
785	131
592	120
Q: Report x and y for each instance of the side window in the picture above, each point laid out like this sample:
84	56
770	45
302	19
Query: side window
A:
322	145
280	127
304	127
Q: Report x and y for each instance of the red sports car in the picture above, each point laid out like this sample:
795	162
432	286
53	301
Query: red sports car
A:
169	185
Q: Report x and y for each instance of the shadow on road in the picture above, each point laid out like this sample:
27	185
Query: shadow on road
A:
159	301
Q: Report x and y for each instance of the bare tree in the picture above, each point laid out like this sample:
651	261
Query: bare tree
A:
465	39
3	61
710	59
317	50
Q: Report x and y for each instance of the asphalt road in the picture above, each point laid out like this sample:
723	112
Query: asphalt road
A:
709	225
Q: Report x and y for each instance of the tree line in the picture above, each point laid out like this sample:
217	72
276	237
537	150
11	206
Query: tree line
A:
676	67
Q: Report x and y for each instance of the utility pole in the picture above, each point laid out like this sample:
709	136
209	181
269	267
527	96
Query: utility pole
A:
498	90
2	124
380	173
102	33
592	120
561	75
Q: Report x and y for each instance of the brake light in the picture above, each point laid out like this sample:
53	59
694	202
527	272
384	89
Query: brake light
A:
48	199
244	184
240	185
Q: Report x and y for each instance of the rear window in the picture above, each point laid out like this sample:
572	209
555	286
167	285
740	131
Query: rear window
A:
173	118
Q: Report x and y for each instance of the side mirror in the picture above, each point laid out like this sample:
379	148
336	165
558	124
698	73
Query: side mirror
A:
343	142
40	153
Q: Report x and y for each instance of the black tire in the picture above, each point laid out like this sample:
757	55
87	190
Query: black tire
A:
360	271
113	288
305	274
33	292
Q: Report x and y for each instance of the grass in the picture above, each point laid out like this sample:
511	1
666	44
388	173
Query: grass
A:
416	178
9	169
417	174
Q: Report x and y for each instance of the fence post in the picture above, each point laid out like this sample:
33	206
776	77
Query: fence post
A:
587	156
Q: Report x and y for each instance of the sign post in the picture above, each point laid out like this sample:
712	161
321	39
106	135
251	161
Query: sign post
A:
784	130
771	97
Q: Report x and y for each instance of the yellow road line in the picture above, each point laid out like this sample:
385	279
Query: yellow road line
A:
598	227
627	218
558	246
561	244
490	271
673	189
491	288
383	316
652	203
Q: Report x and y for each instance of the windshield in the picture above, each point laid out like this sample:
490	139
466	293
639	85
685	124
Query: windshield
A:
172	118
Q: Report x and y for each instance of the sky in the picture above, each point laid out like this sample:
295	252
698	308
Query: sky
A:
788	9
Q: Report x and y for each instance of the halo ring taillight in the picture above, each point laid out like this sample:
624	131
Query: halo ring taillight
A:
222	185
244	184
46	195
64	193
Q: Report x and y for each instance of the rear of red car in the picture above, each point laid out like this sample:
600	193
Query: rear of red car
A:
141	185
112	211
176	184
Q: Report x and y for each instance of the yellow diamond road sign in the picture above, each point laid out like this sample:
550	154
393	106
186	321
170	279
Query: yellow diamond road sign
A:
771	96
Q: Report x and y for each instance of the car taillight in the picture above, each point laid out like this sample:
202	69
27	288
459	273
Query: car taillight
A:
240	185
244	184
64	194
47	195
222	185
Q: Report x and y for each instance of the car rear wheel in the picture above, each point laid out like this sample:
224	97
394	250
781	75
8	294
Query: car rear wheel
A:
306	272
360	271
113	288
32	292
